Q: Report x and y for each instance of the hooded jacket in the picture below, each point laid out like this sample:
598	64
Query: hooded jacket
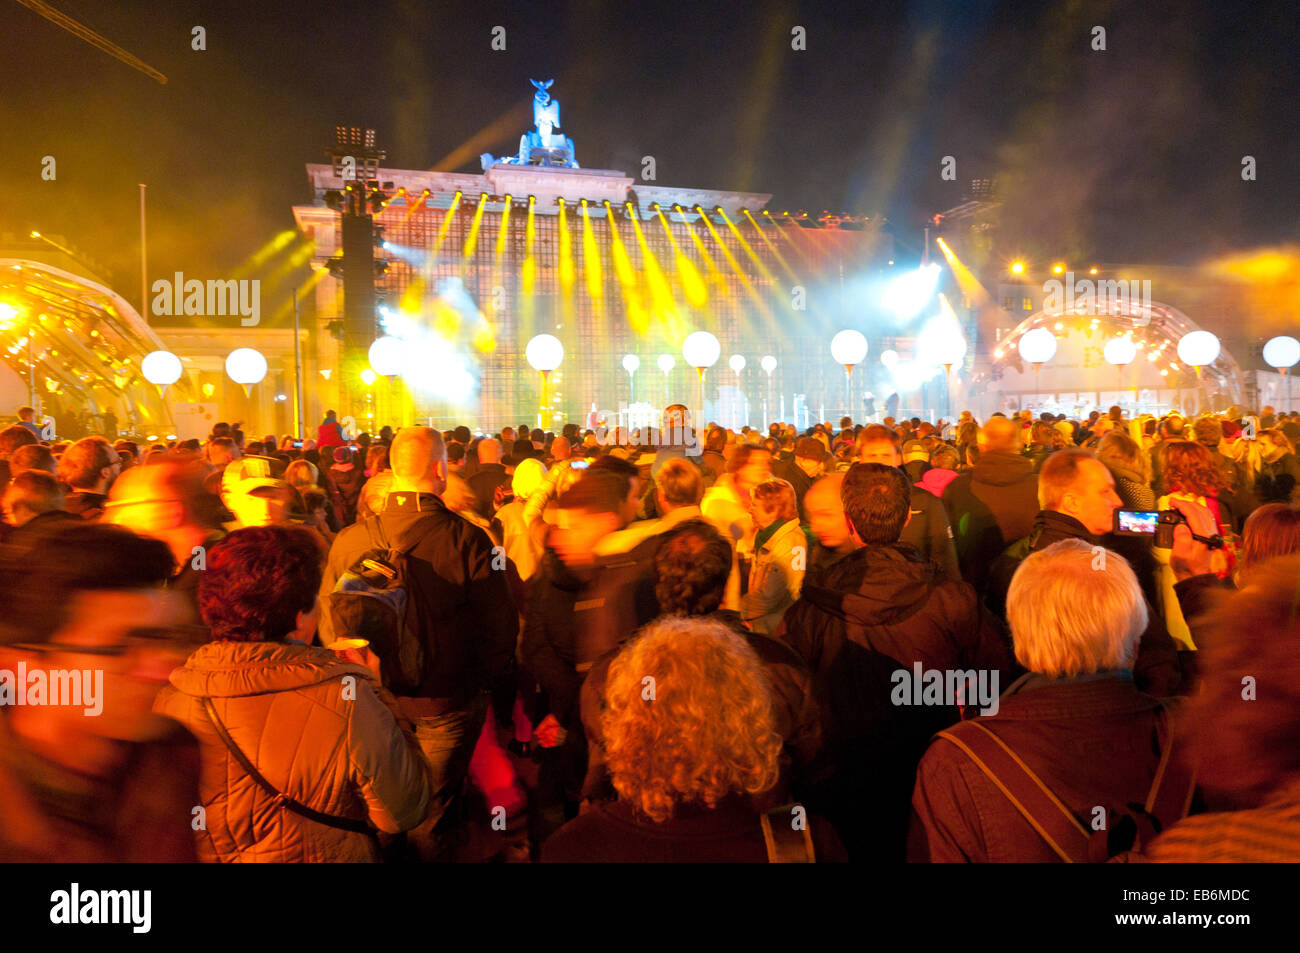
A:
877	611
330	744
989	507
467	614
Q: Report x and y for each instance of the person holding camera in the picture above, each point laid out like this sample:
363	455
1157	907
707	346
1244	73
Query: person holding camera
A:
1076	493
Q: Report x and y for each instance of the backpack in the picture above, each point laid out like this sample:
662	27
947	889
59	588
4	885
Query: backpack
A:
373	600
1126	833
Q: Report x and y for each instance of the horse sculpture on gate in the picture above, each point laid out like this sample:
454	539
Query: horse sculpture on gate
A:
544	146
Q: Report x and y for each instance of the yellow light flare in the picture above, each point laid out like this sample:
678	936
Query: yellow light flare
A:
471	240
663	304
776	252
735	265
268	251
966	280
446	223
753	256
414	206
528	276
697	293
638	318
568	271
503	231
1017	268
591	266
1058	268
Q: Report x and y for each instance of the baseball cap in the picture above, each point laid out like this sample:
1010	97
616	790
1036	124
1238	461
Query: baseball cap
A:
248	474
915	450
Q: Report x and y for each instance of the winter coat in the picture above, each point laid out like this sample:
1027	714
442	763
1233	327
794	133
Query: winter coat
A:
330	744
989	507
776	573
484	483
1276	482
877	611
929	532
1156	669
730	833
546	649
137	811
1092	740
468	616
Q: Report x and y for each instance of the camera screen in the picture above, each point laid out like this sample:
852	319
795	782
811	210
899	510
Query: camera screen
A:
1138	521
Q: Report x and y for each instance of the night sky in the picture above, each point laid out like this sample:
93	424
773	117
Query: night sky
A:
1128	155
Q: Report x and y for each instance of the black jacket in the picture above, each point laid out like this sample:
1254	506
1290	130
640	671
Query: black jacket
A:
928	532
547	647
466	609
989	507
1156	668
877	611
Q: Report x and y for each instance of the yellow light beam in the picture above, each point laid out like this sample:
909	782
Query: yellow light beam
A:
268	251
735	265
969	284
591	265
697	293
502	231
414	207
446	223
638	318
753	256
663	303
471	240
776	252
94	39
568	273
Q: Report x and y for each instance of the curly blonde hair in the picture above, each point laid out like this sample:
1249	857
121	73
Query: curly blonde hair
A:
702	729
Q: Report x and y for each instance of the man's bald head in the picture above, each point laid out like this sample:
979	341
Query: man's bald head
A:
1000	434
418	459
560	449
489	451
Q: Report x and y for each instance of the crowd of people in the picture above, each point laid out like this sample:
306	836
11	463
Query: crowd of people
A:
896	641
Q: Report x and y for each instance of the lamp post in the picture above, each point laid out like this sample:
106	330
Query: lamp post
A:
737	364
849	348
701	350
544	353
666	364
1198	348
1120	352
768	363
246	367
1283	353
631	364
162	369
1037	347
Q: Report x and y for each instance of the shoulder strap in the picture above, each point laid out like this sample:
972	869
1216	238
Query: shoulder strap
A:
282	799
1171	791
1026	791
785	845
